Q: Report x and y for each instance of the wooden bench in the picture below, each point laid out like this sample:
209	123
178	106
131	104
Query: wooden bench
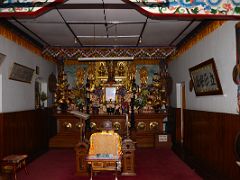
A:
13	163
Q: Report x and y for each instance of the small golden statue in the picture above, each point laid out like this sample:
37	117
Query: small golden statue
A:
79	76
143	75
91	71
62	94
121	68
132	71
101	69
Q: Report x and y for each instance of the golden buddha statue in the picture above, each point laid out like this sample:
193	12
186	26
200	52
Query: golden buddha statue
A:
143	75
132	71
91	71
121	68
101	69
80	76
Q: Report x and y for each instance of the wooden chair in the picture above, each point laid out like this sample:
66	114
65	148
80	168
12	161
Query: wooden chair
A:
14	162
105	152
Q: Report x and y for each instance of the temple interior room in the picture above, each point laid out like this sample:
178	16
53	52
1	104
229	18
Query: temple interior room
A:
116	89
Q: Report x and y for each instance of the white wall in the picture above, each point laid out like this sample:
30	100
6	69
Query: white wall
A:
220	45
19	96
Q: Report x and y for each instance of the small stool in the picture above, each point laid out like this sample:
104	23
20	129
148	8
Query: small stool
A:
14	162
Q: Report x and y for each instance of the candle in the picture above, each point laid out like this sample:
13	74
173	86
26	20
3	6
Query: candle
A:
127	124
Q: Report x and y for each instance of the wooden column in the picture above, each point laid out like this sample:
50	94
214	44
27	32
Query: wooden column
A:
128	161
81	150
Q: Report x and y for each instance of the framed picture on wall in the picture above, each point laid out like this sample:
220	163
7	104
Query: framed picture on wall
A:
205	79
21	73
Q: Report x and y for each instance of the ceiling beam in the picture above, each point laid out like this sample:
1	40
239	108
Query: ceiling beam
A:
94	6
194	32
70	29
176	38
29	30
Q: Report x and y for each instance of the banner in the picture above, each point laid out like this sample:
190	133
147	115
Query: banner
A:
24	8
214	9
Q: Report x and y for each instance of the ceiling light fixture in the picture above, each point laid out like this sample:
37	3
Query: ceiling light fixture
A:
104	37
124	58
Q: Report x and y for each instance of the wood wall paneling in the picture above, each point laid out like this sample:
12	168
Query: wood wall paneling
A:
25	132
1	135
209	142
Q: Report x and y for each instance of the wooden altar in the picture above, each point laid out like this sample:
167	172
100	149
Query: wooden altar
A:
147	127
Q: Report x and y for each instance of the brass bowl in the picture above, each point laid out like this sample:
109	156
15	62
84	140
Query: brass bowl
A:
153	125
93	125
117	125
141	125
67	125
79	125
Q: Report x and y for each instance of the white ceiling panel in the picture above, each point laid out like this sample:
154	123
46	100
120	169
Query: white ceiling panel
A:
124	15
110	42
158	33
86	15
54	34
125	29
51	16
88	29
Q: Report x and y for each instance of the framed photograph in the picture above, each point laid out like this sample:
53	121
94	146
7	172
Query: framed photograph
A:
205	79
111	93
21	73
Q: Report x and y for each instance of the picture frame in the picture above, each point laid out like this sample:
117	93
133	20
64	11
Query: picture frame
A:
111	93
21	73
205	79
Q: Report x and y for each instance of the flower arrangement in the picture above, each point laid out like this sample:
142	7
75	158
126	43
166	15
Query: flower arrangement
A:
140	102
98	91
79	103
122	91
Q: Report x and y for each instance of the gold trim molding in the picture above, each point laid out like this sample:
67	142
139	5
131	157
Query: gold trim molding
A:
135	61
8	34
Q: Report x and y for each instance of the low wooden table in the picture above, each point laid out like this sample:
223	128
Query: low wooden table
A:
14	162
103	164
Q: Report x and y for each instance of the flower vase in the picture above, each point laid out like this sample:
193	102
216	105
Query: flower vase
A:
63	107
42	105
140	110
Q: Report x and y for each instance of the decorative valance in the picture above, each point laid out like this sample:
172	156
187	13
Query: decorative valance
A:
137	53
21	41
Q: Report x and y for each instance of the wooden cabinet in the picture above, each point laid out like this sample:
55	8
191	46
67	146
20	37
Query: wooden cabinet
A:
147	127
68	134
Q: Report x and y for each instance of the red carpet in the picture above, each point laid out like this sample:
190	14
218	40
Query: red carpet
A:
151	164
